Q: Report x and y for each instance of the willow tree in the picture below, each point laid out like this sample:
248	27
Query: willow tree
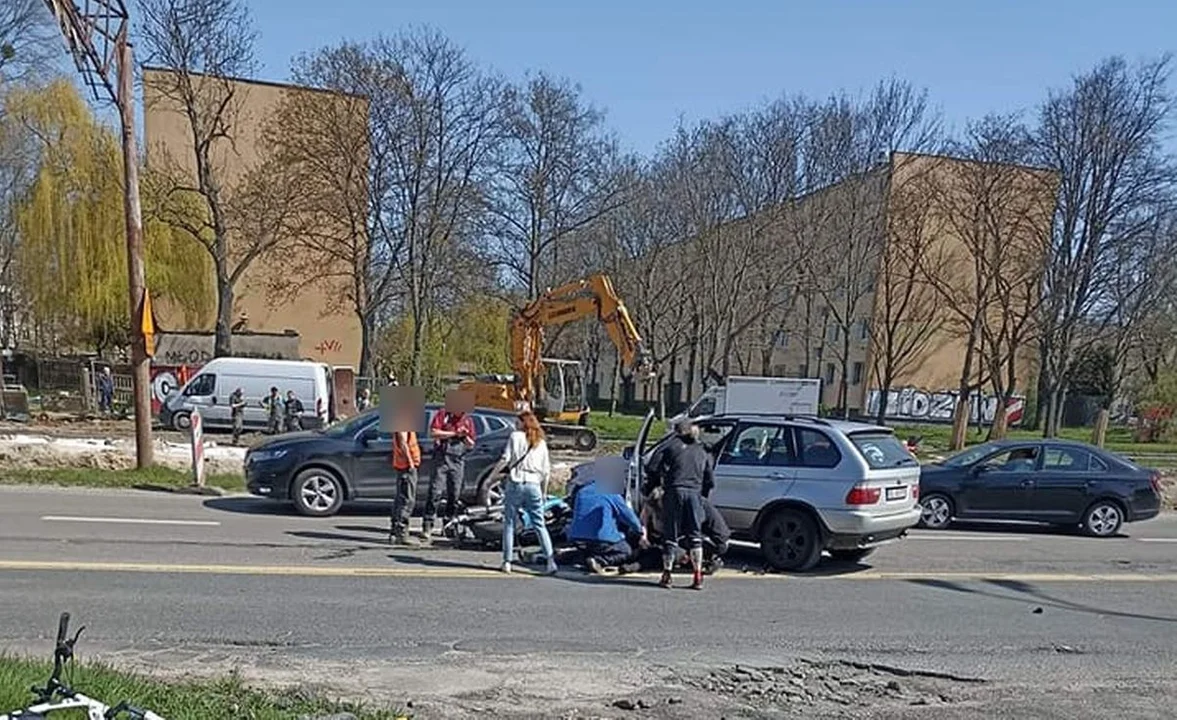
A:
71	254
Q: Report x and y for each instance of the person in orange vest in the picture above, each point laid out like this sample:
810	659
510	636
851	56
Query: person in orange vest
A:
406	458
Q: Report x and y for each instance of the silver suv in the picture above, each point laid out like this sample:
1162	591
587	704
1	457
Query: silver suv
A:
801	485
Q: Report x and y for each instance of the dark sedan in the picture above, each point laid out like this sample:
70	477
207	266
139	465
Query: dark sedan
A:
1057	482
351	460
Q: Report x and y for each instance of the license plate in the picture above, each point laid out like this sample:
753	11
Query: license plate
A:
896	493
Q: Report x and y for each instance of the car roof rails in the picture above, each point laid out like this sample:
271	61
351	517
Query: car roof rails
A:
787	417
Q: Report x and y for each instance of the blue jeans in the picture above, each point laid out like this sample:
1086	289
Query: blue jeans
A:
527	498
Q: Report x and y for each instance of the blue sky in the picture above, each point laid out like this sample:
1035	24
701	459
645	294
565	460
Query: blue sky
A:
648	62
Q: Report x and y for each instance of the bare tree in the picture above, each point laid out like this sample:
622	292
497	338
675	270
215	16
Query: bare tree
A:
325	141
28	40
1104	136
202	46
851	144
906	315
989	266
1141	290
433	137
557	174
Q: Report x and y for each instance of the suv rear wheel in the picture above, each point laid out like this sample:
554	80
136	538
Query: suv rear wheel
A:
790	541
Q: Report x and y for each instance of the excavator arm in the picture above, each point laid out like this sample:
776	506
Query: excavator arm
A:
591	297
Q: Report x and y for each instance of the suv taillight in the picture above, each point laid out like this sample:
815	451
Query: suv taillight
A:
1155	481
915	492
863	495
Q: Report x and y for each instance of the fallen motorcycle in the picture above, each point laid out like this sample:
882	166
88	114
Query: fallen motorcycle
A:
482	526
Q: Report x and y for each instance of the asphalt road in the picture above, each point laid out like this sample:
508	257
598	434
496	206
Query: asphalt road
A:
187	584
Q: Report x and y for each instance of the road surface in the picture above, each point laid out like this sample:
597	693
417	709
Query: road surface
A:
953	624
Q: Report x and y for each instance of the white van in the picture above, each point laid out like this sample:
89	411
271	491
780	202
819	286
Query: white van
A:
210	388
742	395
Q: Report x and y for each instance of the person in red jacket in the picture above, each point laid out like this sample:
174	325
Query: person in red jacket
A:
452	433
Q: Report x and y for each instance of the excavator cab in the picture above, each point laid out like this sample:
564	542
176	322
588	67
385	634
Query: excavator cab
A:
563	398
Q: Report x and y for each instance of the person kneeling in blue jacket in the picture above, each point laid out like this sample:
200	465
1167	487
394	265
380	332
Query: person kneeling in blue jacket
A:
600	523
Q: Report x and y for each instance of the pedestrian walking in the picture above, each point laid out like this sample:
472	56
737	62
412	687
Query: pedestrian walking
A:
105	391
237	411
293	412
453	435
683	468
528	471
406	458
273	405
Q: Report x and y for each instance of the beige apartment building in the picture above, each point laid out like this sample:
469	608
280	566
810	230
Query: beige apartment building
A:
327	330
837	334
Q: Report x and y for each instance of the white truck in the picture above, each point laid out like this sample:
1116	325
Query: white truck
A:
757	396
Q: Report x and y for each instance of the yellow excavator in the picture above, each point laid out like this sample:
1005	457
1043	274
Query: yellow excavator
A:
554	389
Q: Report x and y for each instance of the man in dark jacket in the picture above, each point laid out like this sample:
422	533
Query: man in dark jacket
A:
683	468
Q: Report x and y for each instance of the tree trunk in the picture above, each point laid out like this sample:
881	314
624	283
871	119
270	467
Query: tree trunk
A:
1099	435
366	334
615	384
960	422
884	396
997	431
223	336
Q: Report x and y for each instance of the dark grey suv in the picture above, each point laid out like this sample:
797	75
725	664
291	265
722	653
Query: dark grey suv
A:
351	460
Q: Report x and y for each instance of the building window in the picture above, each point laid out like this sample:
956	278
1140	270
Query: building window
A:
833	333
856	376
830	370
864	329
780	339
803	370
779	370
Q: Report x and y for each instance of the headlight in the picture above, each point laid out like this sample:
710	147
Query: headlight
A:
266	455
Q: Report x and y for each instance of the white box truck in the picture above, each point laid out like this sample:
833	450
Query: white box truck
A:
757	396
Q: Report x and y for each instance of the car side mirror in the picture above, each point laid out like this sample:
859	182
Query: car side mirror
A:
981	469
367	436
627	453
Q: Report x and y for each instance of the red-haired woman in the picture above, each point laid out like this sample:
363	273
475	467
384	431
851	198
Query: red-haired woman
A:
529	469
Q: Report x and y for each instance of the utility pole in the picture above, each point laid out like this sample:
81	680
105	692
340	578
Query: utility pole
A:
96	32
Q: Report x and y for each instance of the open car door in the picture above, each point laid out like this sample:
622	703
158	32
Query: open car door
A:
635	470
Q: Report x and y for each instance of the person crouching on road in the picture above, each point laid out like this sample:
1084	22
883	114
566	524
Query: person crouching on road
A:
406	458
453	435
529	470
683	468
599	520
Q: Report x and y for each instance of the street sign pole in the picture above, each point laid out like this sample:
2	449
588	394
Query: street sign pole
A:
197	449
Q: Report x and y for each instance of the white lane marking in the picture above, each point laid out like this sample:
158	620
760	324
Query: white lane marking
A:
128	521
1158	540
973	538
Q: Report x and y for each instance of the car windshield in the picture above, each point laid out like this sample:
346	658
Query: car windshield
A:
970	456
882	449
349	426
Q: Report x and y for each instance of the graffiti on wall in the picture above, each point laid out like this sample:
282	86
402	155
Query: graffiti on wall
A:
197	349
937	406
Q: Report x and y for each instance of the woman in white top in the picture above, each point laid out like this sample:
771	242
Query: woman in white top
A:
526	459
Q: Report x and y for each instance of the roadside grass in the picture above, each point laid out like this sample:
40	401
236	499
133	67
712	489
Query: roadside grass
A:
226	697
621	430
157	475
622	427
1119	439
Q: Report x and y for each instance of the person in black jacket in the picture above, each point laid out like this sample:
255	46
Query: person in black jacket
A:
683	468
